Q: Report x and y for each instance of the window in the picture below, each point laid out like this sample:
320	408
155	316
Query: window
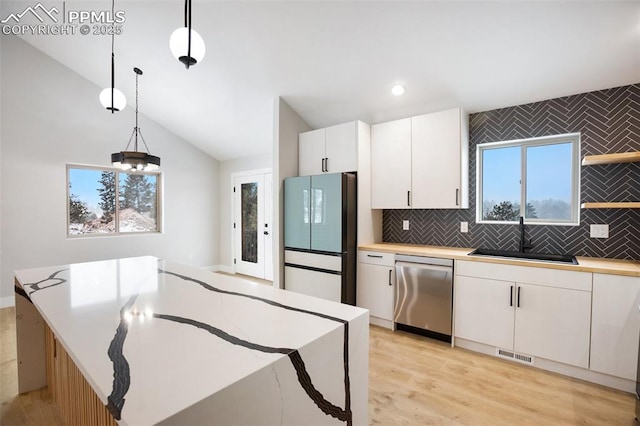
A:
541	174
110	201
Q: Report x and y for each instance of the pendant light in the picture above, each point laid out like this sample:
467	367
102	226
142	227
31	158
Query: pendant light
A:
111	98
185	43
135	160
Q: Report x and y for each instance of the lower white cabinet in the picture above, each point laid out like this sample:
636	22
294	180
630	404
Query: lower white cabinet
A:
615	325
528	310
483	311
553	323
375	287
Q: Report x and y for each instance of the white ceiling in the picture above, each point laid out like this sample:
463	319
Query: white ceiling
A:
336	61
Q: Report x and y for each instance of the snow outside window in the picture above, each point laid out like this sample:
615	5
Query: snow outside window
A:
104	201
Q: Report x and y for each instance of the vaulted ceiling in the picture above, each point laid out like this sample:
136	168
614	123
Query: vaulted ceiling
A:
336	61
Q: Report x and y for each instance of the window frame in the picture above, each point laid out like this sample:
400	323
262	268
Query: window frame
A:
118	171
573	138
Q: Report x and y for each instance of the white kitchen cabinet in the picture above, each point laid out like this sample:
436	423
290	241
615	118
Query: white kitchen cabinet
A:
532	311
553	323
439	153
311	152
391	165
329	150
375	287
483	311
421	162
615	325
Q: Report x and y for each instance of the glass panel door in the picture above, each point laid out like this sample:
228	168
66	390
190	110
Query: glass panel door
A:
326	212
249	223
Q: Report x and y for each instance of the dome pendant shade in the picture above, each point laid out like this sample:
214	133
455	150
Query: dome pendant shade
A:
119	100
179	45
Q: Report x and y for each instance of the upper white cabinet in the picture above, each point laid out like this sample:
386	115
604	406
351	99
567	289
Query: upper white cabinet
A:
439	149
615	325
391	164
311	152
421	162
330	150
533	311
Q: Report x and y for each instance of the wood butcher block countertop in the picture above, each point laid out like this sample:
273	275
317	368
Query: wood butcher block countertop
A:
586	264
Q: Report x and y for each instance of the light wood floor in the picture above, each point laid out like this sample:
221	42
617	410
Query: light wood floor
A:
412	381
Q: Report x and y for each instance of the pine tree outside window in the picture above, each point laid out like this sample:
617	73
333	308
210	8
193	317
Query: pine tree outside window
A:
542	174
105	201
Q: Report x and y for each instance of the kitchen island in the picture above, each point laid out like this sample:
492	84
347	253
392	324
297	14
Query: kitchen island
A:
144	341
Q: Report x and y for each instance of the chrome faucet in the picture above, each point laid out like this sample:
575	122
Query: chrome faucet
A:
524	246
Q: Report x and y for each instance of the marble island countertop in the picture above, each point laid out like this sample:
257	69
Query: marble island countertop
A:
585	264
165	343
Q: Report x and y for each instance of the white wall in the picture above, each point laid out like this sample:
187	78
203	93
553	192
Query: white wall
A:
287	124
50	117
227	168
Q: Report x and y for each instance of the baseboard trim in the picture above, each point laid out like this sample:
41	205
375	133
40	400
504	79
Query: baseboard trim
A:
381	322
6	302
218	268
225	268
558	367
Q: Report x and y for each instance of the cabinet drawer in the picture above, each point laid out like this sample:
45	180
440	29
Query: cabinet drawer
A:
314	260
573	280
313	283
376	258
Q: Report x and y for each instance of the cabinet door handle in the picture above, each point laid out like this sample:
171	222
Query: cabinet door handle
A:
511	296
390	271
378	256
323	165
326	164
518	302
457	193
409	198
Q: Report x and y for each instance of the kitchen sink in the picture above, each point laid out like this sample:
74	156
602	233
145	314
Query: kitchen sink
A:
541	257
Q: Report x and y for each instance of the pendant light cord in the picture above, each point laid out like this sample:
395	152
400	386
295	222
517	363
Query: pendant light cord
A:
187	9
113	56
136	129
135	147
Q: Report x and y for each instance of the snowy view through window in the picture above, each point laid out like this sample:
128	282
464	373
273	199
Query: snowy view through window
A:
92	202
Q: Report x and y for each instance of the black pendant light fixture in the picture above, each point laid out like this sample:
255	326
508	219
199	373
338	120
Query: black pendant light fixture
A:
111	98
185	43
135	160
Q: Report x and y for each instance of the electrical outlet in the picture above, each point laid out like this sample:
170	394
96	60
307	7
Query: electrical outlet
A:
599	231
405	225
464	226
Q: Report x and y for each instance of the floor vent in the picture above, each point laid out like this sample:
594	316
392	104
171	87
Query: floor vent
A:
524	359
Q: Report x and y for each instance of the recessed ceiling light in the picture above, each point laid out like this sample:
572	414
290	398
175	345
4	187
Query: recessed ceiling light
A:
398	90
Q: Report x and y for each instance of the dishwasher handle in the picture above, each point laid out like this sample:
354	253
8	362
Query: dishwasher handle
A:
424	266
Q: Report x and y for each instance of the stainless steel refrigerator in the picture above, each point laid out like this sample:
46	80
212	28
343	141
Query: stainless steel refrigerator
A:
320	230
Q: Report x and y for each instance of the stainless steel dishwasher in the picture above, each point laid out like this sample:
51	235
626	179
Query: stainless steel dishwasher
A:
424	296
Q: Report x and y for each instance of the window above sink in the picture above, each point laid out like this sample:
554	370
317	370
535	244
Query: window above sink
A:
542	174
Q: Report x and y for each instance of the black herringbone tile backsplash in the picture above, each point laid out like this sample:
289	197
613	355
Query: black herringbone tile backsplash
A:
608	121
